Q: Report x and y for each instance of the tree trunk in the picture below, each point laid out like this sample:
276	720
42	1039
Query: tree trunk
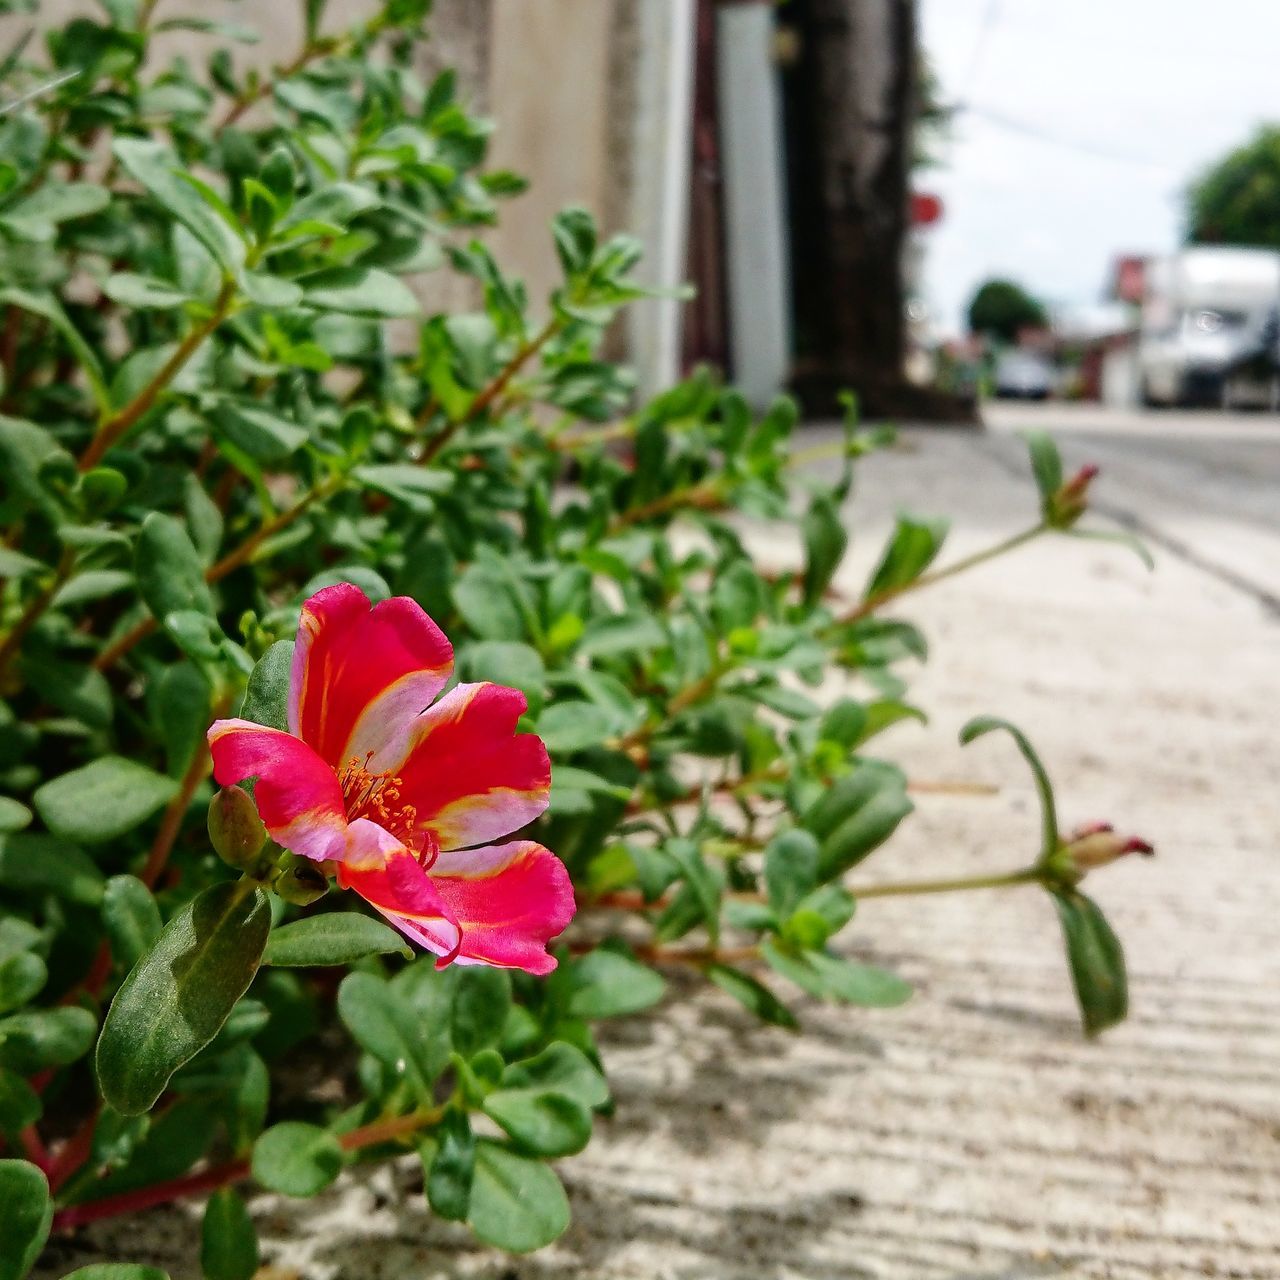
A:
852	100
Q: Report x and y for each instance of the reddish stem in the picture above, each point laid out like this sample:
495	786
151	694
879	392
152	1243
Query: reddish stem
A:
192	1184
34	1147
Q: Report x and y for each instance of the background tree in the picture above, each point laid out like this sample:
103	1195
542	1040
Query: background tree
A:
1001	308
1237	200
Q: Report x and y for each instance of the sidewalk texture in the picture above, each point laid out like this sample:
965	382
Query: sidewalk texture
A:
973	1134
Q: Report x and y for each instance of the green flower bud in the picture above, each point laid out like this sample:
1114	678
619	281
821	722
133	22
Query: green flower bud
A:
301	882
235	829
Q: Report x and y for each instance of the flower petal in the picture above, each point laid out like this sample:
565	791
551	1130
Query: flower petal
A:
297	794
385	874
468	774
510	900
361	674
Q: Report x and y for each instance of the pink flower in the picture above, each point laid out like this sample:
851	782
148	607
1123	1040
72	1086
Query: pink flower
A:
403	792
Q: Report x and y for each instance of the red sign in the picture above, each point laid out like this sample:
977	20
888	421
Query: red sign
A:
926	209
1130	278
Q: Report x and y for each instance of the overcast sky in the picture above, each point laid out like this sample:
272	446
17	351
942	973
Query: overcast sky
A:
1087	120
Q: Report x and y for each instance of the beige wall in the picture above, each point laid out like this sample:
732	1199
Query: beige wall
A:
549	93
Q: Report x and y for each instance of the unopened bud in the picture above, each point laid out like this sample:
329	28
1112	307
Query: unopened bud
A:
1097	844
1071	500
235	829
301	882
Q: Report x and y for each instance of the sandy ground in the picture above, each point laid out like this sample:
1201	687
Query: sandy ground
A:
973	1134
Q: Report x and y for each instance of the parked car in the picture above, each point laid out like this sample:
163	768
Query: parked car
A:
1023	375
1204	312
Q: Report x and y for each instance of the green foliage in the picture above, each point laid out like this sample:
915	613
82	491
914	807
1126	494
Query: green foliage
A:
26	1212
220	390
1237	200
1096	961
1000	308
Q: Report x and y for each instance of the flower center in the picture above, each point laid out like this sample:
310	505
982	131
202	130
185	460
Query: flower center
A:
376	796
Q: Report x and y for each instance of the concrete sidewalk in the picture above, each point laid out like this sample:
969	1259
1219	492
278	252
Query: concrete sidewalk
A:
974	1134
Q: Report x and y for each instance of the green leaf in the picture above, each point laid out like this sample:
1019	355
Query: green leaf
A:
22	977
49	308
626	633
360	291
1046	462
825	542
885	712
296	1159
263	435
574	725
14	564
19	1104
36	862
981	725
790	869
909	553
73	687
1097	962
144	293
829	976
178	996
36	216
449	1158
180	699
266	699
337	937
14	815
541	1122
517	1203
856	816
753	994
103	799
160	172
483	596
26	1214
39	1038
132	919
481	1002
168	568
228	1242
97	584
519	666
386	1024
606	984
559	1068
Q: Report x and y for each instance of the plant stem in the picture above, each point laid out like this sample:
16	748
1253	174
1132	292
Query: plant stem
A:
627	900
176	810
10	645
220	568
872	603
241	104
370	1135
704	495
686	698
113	427
962	884
524	353
34	1147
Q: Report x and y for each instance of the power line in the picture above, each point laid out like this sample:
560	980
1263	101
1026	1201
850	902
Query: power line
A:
989	19
1014	125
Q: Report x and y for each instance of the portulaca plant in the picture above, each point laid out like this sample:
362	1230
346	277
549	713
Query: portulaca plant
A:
354	687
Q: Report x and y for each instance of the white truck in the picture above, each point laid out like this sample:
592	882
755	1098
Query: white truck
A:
1207	313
